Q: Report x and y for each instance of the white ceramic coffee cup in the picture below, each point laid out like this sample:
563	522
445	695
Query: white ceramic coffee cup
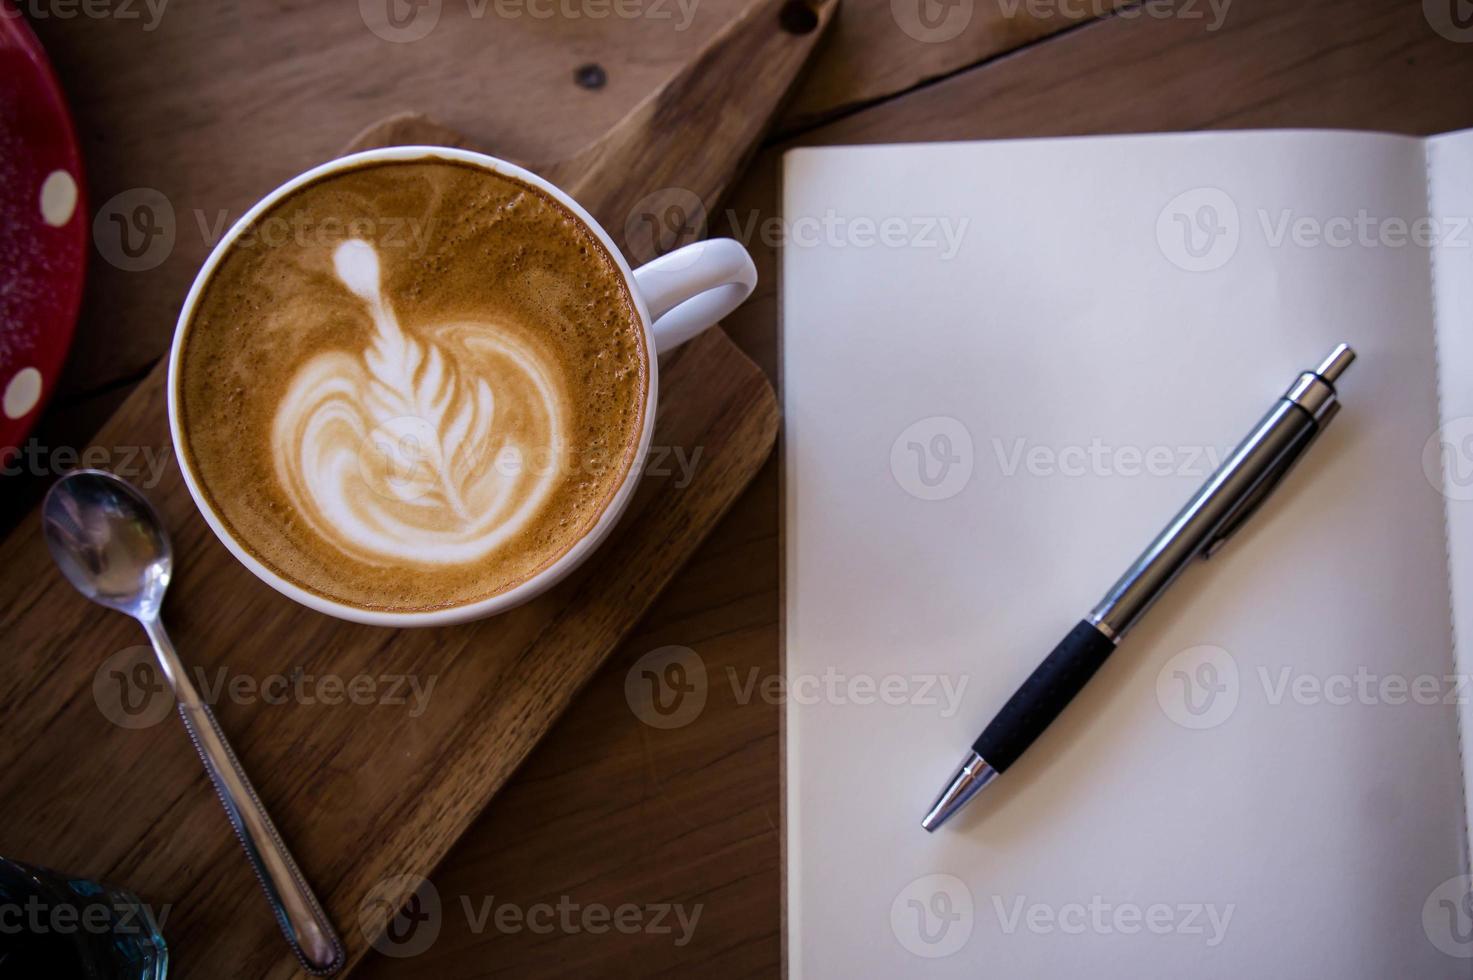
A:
678	295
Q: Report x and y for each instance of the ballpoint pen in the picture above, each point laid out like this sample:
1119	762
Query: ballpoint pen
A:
1218	509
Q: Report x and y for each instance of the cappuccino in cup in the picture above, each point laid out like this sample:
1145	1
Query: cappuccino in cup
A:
418	382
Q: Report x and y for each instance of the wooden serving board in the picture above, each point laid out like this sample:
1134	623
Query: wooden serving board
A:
373	748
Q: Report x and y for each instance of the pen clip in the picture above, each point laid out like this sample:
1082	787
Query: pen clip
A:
1254	499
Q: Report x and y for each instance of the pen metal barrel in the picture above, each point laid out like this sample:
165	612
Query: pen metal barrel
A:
1285	429
1228	497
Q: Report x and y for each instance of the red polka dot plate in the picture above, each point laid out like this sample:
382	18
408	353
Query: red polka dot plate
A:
43	228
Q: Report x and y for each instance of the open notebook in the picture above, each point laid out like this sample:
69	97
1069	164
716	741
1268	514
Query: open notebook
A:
1006	365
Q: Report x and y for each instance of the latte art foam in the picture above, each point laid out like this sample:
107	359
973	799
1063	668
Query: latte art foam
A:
418	449
412	422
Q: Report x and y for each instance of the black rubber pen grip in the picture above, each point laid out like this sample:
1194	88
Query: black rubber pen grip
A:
1043	695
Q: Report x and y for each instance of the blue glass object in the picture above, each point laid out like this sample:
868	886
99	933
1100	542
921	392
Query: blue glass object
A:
55	925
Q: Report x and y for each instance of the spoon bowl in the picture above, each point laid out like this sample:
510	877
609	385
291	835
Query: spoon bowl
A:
108	541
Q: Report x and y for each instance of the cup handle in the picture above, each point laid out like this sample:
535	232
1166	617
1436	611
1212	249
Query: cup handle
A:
692	288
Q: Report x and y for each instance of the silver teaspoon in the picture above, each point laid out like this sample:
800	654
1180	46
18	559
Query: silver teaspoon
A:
109	543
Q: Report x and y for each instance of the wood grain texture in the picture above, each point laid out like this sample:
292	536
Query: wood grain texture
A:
880	50
370	793
610	810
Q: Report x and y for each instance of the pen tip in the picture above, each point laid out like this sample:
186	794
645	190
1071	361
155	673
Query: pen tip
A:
968	780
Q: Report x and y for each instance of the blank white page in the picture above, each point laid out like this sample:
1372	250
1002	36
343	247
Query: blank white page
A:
1246	788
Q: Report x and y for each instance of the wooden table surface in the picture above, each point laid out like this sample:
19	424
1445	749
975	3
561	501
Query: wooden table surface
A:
213	102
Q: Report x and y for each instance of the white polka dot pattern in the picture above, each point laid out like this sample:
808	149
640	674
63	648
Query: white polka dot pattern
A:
22	393
58	198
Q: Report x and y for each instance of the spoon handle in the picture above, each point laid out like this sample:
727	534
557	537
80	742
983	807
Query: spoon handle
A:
302	920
